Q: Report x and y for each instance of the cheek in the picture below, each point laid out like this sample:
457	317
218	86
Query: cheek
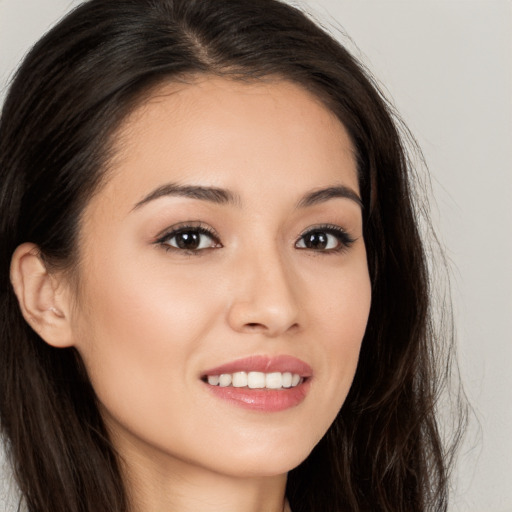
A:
342	314
339	304
140	331
145	305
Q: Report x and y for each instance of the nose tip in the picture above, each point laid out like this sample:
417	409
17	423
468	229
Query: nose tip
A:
265	303
252	318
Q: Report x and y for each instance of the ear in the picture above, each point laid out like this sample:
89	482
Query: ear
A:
43	298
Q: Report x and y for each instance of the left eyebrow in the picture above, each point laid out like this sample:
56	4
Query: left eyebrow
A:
325	194
210	194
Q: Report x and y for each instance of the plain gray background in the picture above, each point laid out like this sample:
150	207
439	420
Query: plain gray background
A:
447	66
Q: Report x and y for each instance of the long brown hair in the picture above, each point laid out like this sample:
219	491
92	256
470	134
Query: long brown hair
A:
384	450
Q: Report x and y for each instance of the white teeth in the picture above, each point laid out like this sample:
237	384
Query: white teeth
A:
239	380
287	380
274	380
213	380
225	380
256	380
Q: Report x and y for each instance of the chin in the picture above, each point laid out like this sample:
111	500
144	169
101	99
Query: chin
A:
271	461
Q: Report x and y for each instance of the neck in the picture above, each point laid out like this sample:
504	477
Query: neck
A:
156	488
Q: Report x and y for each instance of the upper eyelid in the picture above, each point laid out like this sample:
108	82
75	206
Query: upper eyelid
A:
325	227
334	229
183	226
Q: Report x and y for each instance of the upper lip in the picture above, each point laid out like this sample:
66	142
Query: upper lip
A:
265	364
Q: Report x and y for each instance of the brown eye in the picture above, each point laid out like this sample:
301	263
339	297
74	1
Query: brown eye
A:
190	239
318	241
328	239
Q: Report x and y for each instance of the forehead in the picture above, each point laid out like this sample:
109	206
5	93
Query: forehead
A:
245	136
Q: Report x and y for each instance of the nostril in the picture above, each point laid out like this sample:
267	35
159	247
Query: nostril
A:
255	326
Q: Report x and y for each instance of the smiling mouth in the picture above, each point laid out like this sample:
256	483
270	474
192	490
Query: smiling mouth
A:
255	380
260	383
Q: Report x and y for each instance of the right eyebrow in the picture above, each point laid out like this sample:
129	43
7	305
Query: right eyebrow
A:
325	194
211	194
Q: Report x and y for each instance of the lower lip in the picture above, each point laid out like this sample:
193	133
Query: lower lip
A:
266	400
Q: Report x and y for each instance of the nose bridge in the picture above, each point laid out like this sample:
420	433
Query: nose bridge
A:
265	299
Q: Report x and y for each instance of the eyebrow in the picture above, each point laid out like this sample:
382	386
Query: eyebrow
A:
222	196
325	194
211	194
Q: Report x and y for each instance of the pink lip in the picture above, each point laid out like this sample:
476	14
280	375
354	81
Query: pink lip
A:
264	400
264	364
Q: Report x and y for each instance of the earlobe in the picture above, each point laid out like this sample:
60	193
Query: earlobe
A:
43	301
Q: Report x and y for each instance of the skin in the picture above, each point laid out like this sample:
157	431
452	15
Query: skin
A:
149	319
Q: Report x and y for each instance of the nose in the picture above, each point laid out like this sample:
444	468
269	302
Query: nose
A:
265	299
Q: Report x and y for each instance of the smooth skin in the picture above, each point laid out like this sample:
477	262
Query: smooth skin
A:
149	316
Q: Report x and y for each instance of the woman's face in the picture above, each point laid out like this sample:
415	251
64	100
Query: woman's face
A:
225	246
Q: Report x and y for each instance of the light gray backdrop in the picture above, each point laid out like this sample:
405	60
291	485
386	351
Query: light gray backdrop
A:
447	64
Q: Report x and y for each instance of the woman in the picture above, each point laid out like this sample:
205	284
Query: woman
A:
214	294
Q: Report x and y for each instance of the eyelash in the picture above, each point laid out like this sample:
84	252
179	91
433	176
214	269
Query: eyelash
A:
345	241
188	228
